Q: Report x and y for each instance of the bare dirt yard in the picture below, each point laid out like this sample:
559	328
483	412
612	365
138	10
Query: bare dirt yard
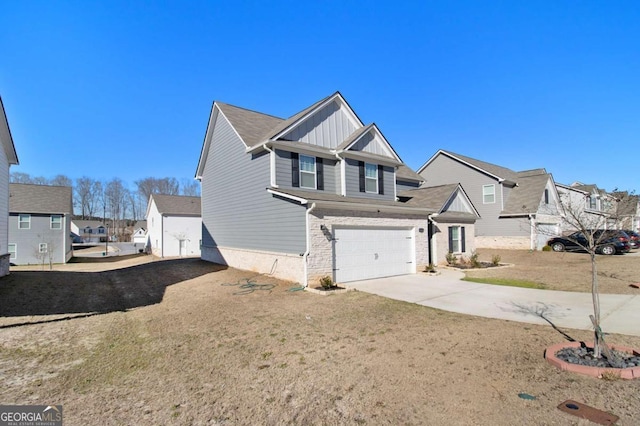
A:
161	342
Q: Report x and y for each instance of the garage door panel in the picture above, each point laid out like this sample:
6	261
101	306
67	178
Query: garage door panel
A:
363	253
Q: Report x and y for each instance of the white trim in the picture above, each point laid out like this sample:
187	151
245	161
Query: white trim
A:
291	197
15	251
367	178
51	222
28	221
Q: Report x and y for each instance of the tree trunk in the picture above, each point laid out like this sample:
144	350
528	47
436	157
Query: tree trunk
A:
597	335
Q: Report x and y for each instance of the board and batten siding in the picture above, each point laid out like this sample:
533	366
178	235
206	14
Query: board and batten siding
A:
444	170
352	177
284	170
237	210
327	128
28	240
370	143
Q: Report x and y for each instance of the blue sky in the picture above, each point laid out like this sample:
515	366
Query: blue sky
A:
124	89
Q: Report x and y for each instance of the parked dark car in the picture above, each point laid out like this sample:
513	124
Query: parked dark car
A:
634	239
607	242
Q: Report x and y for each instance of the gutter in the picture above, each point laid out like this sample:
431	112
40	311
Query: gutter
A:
305	255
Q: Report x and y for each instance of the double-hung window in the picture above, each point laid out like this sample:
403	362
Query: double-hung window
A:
56	221
13	250
371	178
42	248
24	221
488	194
456	239
307	172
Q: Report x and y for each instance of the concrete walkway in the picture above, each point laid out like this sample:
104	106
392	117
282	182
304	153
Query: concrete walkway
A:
619	313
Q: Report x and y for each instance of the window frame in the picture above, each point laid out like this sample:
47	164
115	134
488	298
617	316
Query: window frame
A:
307	173
368	179
51	221
485	194
12	254
21	221
41	246
455	240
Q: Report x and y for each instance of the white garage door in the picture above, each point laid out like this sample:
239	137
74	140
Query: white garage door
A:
363	253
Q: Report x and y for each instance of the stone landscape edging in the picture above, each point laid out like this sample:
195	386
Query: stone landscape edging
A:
624	373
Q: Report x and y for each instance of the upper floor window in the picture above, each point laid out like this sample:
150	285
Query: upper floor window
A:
371	178
488	194
307	172
24	221
593	203
56	221
546	196
100	229
88	230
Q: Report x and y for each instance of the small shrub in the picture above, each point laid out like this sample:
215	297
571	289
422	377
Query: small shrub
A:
327	282
610	376
451	258
495	260
473	260
430	268
546	248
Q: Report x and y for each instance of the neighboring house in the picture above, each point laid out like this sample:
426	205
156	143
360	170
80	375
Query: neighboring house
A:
90	231
628	211
8	157
307	197
40	224
139	236
517	209
452	226
175	225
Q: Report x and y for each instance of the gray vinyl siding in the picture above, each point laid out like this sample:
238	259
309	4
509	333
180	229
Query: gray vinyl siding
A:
405	185
327	128
443	170
28	240
352	177
237	210
284	170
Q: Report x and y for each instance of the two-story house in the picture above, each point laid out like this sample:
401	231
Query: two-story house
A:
8	157
89	231
174	225
40	224
306	197
517	209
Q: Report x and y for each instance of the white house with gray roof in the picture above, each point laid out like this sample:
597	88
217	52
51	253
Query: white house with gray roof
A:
40	224
174	225
517	209
8	157
306	197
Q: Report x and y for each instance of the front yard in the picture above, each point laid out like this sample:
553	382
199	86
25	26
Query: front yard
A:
175	342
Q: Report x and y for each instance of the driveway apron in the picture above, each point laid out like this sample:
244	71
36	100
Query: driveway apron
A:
618	313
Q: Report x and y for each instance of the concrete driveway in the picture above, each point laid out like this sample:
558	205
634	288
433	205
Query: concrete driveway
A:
446	291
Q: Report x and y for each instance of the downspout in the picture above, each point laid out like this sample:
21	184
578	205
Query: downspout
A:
305	255
343	172
431	250
533	237
272	165
162	236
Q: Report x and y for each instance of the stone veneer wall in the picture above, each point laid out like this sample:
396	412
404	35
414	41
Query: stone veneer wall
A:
288	267
4	264
320	261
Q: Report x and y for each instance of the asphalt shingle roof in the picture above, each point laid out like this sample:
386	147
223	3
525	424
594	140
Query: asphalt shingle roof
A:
501	172
44	199
252	126
526	197
178	204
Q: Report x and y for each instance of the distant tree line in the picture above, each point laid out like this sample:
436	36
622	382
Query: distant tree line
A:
113	199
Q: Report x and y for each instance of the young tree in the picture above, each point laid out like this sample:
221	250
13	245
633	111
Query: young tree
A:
588	215
190	187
